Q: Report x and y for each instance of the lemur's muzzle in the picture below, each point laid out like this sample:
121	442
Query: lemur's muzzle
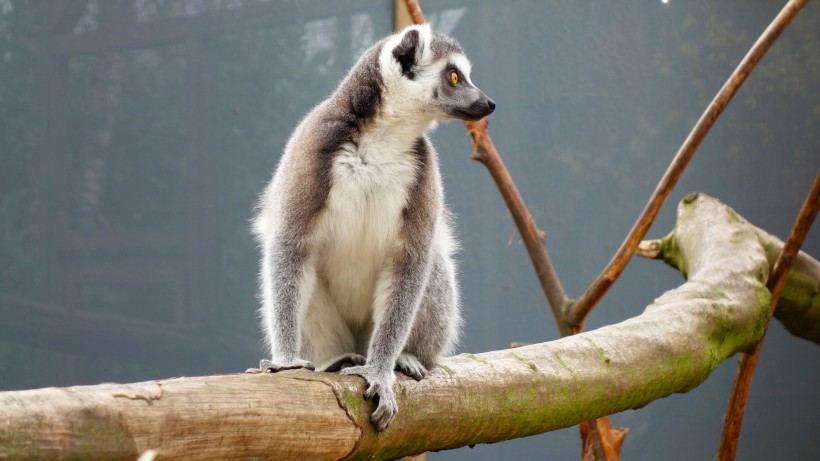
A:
483	107
478	109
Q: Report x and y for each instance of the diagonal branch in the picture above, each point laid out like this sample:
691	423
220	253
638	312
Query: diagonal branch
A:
484	151
414	9
777	281
579	310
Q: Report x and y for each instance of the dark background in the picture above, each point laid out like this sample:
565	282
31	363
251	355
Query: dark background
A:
136	134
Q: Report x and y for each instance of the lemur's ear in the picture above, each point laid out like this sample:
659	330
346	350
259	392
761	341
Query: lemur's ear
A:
408	52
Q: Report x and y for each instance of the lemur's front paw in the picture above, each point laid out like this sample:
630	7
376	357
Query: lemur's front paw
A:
380	387
268	366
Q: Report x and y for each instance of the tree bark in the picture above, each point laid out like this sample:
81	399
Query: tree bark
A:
483	398
798	307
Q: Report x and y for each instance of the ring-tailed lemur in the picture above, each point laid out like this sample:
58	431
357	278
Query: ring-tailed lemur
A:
356	243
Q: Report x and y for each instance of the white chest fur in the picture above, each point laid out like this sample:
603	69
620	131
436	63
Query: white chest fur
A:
360	224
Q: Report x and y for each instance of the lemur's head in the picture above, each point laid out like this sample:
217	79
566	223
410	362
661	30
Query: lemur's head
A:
430	73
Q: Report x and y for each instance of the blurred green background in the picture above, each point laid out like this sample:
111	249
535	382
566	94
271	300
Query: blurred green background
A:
135	136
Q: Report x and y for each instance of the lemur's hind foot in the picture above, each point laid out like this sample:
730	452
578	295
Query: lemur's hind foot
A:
344	361
410	365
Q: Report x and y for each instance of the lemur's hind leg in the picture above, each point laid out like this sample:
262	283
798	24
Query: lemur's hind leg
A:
435	328
327	340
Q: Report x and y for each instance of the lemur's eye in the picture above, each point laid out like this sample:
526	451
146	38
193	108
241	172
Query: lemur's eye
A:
453	77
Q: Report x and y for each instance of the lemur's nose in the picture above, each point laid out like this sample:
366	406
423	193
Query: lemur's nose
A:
491	105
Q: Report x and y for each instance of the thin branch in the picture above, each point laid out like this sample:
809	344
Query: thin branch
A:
747	363
484	151
415	12
808	212
579	310
600	441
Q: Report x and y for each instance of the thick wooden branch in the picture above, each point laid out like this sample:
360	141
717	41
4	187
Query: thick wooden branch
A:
672	347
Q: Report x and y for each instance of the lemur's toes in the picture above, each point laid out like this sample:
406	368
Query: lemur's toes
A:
267	366
385	412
